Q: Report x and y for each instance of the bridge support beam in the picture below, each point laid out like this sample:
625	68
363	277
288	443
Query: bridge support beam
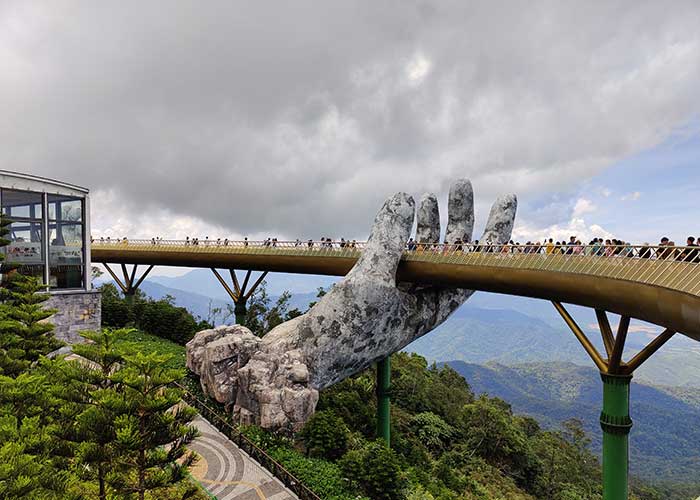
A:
616	423
239	293
384	400
129	284
615	418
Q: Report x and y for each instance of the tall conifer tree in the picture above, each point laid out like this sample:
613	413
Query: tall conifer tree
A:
152	428
88	395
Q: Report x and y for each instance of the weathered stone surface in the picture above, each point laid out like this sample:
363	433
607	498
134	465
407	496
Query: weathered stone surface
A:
274	381
428	223
460	210
75	312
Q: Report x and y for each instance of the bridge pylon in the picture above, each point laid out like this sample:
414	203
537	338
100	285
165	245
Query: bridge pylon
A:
616	374
129	284
383	389
240	293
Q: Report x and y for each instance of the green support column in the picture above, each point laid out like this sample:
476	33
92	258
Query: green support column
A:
241	311
384	400
616	424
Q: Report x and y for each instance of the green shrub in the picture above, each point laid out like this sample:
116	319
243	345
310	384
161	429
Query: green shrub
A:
325	435
157	317
325	478
162	318
376	468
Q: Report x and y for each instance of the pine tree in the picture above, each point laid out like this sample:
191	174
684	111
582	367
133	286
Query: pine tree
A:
24	334
87	391
25	469
9	352
29	458
152	427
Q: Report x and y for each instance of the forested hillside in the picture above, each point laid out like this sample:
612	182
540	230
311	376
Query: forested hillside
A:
448	442
664	439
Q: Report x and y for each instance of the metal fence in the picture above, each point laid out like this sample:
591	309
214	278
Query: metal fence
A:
667	266
245	444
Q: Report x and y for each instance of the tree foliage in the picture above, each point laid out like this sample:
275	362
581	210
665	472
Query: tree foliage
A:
158	317
262	315
151	426
325	435
24	333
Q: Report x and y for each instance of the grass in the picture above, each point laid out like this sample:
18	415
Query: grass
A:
147	343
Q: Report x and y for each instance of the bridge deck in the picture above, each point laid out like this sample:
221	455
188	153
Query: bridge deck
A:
662	286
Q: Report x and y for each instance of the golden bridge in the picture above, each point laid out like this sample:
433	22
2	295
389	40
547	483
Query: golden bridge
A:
656	284
660	285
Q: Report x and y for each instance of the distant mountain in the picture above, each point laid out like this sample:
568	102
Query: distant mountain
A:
665	439
477	335
203	282
197	304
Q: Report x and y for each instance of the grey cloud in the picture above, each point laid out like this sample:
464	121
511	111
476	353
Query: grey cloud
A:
299	118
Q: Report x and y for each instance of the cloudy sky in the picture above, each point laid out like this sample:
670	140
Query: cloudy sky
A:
299	118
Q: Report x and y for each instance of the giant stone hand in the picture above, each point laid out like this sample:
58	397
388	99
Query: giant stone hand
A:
274	381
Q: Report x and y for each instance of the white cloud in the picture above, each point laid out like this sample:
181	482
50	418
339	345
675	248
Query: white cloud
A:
631	196
301	121
575	227
418	68
583	206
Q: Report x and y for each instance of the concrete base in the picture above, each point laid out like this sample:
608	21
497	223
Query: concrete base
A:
77	311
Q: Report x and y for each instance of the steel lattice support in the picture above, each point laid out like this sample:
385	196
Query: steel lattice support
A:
239	293
615	420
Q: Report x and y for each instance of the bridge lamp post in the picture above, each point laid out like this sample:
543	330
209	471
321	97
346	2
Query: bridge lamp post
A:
616	374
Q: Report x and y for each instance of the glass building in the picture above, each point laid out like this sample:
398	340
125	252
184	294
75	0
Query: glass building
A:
49	230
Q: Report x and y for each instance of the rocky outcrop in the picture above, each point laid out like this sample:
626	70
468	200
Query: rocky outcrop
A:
274	381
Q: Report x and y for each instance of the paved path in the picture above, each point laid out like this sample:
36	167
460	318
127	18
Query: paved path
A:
229	473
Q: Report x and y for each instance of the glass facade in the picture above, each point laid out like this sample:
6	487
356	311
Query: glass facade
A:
47	236
66	241
26	249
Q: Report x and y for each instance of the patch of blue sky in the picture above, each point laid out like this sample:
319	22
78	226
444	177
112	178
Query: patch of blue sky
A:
651	194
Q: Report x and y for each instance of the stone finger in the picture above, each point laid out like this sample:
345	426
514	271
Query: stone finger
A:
428	228
501	220
387	241
460	212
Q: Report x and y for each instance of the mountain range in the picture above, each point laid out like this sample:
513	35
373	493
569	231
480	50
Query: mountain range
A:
665	436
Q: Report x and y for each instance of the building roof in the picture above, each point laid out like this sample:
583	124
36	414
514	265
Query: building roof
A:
29	182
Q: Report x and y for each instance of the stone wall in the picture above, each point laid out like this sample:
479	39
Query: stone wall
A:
77	311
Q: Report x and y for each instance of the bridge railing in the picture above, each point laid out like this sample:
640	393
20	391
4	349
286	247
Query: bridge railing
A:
673	267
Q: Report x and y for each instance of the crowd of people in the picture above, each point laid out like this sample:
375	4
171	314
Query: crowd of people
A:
612	247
